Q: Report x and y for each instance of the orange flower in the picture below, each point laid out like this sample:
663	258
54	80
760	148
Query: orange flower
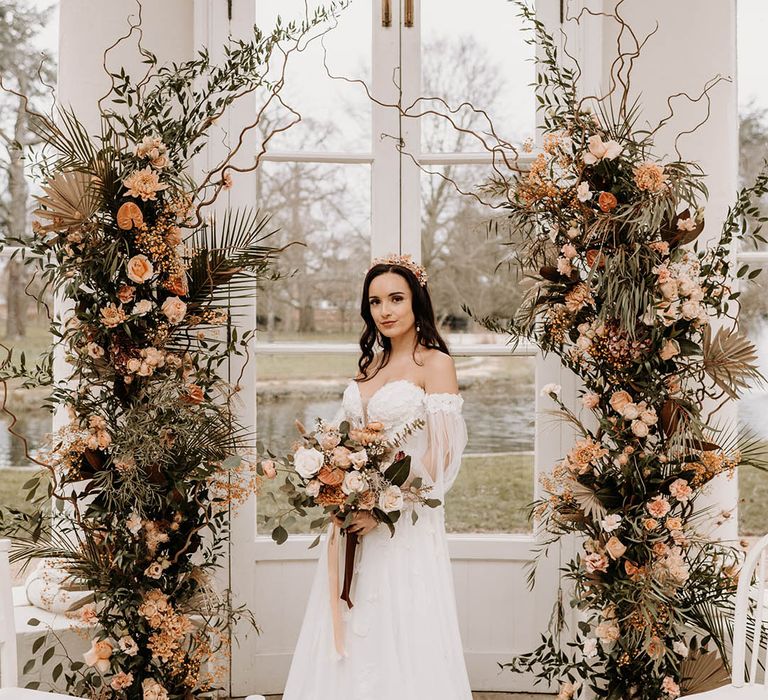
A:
655	648
194	394
631	568
366	500
607	201
330	496
144	184
331	477
593	256
129	215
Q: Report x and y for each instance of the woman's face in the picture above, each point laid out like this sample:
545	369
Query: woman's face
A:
389	299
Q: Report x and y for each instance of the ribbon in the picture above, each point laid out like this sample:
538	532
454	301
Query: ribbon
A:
333	587
333	580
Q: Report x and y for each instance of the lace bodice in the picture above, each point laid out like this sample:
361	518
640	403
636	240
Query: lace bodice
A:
396	403
436	448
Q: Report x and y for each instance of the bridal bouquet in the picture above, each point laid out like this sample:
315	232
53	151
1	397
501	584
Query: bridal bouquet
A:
346	471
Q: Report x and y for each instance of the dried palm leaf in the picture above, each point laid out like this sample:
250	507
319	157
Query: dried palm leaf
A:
702	671
730	360
588	500
70	199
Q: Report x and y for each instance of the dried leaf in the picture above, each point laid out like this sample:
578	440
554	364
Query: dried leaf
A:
730	360
587	500
703	671
71	198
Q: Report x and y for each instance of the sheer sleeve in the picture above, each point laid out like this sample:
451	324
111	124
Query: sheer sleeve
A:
446	439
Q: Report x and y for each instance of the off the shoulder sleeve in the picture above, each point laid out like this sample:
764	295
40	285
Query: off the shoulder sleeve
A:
446	439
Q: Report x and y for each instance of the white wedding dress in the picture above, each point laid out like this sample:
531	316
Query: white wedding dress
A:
401	638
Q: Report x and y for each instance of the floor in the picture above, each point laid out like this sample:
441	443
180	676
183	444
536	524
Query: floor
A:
482	696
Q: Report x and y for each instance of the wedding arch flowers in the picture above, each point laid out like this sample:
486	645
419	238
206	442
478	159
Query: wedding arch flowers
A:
152	456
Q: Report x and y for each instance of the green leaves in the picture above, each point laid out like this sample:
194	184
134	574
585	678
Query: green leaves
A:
398	471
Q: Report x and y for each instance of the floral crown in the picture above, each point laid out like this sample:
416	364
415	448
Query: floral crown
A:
404	261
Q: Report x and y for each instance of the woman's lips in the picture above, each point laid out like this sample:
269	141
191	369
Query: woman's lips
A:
388	323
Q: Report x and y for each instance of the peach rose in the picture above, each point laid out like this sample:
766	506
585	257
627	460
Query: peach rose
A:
619	399
607	631
98	655
174	309
639	428
139	269
173	236
655	648
615	548
330	439
650	524
607	201
152	690
674	523
112	315
595	562
331	477
358	459
268	467
590	400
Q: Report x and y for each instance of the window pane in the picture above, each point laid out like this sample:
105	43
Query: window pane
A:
23	328
495	483
336	115
753	407
327	208
461	252
289	388
476	52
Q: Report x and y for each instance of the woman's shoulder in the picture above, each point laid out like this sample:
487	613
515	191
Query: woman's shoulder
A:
439	373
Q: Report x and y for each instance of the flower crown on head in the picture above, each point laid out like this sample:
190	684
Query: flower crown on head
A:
404	260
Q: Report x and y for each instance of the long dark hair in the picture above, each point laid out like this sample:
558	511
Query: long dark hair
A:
427	334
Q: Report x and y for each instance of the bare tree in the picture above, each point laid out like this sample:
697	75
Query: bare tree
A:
23	69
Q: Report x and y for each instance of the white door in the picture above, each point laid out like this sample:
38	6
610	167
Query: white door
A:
355	180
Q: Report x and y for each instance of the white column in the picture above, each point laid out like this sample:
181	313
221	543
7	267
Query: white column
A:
695	42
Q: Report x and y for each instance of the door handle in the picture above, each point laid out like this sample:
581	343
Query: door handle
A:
408	13
386	13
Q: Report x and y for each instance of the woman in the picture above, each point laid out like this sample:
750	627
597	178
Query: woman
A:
401	637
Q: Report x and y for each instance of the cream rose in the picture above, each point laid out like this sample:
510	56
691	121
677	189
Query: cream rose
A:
152	690
98	655
590	400
142	307
340	457
140	269
354	482
391	499
607	631
359	459
630	411
174	309
313	488
595	562
329	439
639	428
307	461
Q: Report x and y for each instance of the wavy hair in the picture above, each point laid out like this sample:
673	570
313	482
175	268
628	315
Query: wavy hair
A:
427	334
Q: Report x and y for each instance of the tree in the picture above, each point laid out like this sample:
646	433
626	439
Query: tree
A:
26	72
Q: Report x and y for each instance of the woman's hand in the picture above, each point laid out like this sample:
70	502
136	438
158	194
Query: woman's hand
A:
362	523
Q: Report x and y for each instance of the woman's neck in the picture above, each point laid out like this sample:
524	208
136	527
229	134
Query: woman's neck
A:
404	344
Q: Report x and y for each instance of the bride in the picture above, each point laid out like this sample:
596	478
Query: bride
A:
400	640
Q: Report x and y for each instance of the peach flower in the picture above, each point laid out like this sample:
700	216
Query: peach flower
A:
607	201
128	645
366	500
639	428
144	184
174	309
595	562
681	490
340	457
669	349
619	399
268	467
599	149
650	524
193	395
615	548
112	315
121	681
674	523
152	690
140	269
650	177
658	506
669	686
98	655
590	400
655	648
126	293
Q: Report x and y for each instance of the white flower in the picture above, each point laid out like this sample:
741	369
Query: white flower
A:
572	232
680	648
358	459
354	482
610	522
548	389
95	351
582	192
133	523
391	499
128	645
307	461
599	150
142	307
313	488
690	309
630	411
590	647
639	428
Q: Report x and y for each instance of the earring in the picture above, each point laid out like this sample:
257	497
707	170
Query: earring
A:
418	328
